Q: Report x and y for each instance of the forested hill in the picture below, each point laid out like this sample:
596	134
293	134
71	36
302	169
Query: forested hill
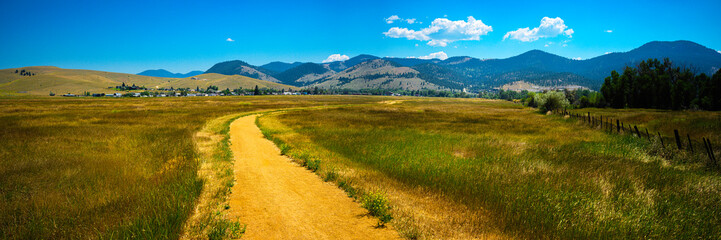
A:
535	67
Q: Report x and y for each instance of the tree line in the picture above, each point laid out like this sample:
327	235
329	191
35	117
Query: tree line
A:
658	84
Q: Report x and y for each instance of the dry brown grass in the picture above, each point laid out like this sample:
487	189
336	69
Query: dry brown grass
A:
468	168
113	168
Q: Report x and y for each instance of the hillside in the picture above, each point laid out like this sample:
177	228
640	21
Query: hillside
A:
410	62
377	73
61	81
342	65
534	67
546	69
238	67
279	67
225	81
304	74
681	53
168	74
440	75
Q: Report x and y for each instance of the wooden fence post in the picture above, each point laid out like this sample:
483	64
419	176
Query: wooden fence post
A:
678	139
709	151
637	132
589	117
661	138
648	135
618	126
690	146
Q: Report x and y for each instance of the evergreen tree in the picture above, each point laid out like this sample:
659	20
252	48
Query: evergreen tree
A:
656	84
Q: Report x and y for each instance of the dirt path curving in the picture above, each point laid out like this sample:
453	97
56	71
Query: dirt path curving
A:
281	200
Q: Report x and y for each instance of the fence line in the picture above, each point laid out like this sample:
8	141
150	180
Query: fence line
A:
607	125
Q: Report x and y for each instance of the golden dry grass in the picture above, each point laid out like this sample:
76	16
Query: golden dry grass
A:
113	168
458	169
697	124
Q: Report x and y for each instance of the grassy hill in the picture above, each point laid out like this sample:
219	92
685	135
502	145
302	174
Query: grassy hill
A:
60	81
377	73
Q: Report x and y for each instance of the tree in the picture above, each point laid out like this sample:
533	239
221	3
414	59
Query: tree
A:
256	91
714	91
551	100
656	84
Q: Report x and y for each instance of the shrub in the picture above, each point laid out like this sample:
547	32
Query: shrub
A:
346	186
224	229
530	100
377	206
284	148
550	101
312	164
331	175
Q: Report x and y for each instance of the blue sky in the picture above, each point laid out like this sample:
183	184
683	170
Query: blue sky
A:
180	36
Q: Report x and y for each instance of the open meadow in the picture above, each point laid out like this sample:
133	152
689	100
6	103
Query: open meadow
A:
697	124
470	168
432	168
114	168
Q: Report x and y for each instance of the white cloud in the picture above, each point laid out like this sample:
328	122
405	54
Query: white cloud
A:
391	19
443	31
607	53
609	31
577	58
439	55
719	51
335	58
229	40
550	27
394	18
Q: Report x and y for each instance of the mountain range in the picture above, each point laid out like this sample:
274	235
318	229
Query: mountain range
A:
463	72
167	74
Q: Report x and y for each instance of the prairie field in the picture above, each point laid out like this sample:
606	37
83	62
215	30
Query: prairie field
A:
446	168
111	168
469	168
696	124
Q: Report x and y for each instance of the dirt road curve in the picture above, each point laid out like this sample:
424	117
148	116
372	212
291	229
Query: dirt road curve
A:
280	200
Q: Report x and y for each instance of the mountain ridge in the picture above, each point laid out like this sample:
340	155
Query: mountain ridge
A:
168	74
465	72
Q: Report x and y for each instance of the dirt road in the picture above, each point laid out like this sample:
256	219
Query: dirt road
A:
281	200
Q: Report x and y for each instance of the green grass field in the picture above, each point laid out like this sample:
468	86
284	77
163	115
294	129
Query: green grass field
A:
457	168
113	168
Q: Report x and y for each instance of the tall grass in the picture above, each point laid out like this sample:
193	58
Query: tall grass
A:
697	124
532	175
110	168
